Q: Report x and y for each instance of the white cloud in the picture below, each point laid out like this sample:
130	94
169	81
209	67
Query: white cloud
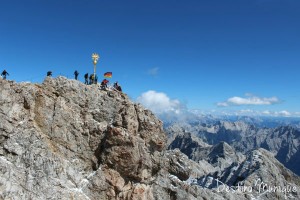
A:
153	71
283	113
159	102
247	111
266	112
249	100
222	104
253	113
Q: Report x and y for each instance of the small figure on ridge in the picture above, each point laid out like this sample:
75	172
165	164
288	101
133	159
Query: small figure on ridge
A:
86	77
104	84
91	79
76	73
49	73
4	74
96	79
117	86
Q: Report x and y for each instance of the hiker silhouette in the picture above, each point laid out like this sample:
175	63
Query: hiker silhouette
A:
86	78
76	73
4	74
49	73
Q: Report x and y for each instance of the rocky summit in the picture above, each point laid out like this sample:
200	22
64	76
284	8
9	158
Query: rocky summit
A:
65	140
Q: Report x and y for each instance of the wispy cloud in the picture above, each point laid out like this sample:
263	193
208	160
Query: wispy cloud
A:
153	71
282	113
249	112
249	100
222	104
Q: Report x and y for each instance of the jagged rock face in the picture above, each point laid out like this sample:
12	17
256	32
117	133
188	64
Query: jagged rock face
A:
220	155
260	176
284	142
55	138
189	145
256	175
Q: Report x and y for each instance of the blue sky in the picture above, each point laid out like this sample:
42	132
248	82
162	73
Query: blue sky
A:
212	55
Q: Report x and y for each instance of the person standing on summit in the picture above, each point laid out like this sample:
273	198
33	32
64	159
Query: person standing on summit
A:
76	73
91	79
86	78
4	74
49	73
96	79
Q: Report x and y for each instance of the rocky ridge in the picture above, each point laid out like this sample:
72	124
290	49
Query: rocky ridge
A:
282	141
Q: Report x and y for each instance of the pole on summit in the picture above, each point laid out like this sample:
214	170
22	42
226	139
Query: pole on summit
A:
95	58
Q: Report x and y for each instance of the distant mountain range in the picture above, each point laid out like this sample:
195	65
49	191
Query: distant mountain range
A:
194	117
243	134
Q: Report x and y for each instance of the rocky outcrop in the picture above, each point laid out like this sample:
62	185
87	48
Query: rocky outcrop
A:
260	176
220	155
283	141
256	175
63	139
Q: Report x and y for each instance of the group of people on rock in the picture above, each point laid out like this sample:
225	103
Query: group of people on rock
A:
88	80
116	86
93	79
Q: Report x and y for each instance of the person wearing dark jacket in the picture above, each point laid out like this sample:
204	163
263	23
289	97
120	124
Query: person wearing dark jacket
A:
104	84
96	79
4	74
86	78
117	86
91	79
76	73
49	73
